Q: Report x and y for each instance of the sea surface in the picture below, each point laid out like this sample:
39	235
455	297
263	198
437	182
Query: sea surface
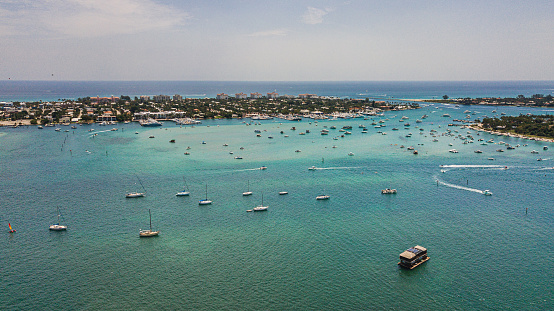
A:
487	252
30	91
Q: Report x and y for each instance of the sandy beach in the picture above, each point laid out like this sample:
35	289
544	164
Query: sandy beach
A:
478	127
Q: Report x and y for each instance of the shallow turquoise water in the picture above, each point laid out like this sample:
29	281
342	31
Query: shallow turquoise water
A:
302	254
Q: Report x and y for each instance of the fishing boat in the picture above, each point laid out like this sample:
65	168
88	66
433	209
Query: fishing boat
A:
11	230
206	201
148	233
247	192
185	191
57	226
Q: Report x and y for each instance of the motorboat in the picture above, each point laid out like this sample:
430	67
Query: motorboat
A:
487	192
388	191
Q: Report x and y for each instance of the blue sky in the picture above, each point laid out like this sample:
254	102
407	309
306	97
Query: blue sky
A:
276	40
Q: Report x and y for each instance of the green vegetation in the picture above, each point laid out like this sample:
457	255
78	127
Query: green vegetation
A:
537	100
528	125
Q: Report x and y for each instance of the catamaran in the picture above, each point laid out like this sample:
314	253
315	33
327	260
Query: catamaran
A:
57	226
148	233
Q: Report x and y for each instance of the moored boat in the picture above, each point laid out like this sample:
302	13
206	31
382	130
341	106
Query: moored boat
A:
413	257
148	233
57	226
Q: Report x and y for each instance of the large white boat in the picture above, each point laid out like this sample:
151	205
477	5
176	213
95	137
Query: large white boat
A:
149	122
57	226
148	233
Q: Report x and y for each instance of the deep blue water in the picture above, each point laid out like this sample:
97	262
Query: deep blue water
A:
55	90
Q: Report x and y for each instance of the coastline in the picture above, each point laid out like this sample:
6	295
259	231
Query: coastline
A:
478	127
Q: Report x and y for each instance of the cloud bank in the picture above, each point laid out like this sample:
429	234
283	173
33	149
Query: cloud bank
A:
87	18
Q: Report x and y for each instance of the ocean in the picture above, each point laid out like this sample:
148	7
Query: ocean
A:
29	91
487	252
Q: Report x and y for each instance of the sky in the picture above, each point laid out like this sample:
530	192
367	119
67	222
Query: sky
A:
262	40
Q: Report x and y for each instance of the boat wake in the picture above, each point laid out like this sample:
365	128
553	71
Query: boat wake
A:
446	168
457	187
337	168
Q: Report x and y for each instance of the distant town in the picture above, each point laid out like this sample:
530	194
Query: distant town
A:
190	110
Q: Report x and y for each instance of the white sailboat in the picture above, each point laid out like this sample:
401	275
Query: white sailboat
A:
206	201
185	191
57	226
260	208
248	192
148	233
136	194
322	196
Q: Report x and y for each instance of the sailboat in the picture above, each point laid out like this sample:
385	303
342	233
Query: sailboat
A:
148	233
57	226
322	196
260	208
248	192
206	201
185	191
136	194
11	230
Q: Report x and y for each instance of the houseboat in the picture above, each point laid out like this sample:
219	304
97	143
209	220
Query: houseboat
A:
413	257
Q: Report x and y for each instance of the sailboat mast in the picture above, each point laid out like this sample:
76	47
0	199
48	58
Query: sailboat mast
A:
150	219
206	192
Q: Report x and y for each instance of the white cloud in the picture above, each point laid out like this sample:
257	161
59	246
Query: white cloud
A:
268	33
87	18
314	15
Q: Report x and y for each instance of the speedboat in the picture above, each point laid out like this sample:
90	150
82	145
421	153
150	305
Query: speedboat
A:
322	197
487	192
283	192
312	168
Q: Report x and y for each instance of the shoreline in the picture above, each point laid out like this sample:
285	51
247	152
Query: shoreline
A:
478	127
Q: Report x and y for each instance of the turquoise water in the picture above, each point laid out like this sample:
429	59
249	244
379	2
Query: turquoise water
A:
302	254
